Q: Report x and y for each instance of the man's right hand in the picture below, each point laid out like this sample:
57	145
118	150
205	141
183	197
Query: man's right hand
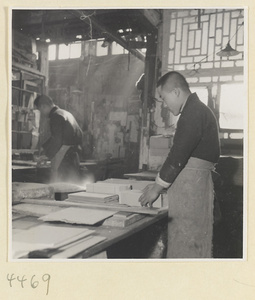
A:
150	194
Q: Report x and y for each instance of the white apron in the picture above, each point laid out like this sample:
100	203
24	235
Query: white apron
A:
191	198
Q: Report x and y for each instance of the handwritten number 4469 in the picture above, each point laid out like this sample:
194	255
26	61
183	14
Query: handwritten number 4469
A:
33	282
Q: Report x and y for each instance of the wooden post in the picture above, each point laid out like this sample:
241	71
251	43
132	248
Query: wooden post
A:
165	36
148	94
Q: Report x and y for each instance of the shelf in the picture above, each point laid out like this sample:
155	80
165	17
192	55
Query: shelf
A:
19	131
27	69
26	91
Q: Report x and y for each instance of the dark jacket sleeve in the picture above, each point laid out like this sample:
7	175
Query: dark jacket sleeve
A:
54	143
188	134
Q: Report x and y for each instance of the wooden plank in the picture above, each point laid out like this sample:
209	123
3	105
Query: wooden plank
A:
115	207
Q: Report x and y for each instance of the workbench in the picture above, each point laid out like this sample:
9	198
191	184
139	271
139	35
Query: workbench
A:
113	235
26	171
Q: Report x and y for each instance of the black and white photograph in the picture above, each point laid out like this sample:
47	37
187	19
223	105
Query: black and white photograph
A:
128	134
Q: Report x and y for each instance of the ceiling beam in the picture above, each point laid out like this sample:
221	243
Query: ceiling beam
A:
112	35
153	16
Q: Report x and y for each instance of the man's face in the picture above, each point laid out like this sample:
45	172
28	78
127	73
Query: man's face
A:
171	99
44	110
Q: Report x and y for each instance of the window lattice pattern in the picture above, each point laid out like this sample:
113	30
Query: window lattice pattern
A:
194	41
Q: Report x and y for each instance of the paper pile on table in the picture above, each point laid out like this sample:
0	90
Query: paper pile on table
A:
92	197
108	188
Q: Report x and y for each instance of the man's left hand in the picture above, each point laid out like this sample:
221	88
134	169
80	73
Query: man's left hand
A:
150	194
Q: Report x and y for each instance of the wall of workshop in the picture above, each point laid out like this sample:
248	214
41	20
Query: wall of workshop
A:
189	45
29	79
100	92
190	48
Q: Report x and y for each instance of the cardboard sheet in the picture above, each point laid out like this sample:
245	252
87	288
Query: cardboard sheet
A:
75	215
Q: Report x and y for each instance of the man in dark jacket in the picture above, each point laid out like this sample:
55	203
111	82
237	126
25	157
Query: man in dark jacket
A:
66	137
186	172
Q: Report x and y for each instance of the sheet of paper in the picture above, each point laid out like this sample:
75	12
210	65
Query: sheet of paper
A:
76	215
34	209
50	235
78	247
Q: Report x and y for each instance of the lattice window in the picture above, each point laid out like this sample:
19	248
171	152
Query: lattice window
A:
194	41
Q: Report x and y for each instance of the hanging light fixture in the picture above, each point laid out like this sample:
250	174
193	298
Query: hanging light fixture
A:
227	51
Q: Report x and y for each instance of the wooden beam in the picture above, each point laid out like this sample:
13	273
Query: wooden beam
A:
153	16
114	36
27	69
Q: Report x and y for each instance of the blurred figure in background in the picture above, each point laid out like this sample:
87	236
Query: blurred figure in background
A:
64	144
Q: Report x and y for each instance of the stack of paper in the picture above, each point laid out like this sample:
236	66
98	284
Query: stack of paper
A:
135	184
131	198
92	197
44	237
107	187
78	215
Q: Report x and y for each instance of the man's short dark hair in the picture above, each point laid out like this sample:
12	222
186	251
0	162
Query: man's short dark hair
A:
43	99
177	79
